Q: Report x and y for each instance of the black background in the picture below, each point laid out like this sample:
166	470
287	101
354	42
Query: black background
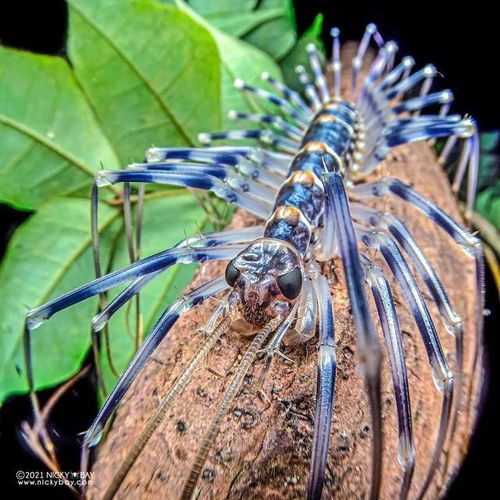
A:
461	42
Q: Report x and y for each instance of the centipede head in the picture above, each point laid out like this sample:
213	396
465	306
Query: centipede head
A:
267	277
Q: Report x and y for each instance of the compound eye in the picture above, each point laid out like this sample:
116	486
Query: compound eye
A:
231	274
291	283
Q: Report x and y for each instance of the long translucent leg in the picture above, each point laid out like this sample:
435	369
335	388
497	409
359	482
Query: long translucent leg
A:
336	64
277	122
240	235
424	89
248	161
393	77
319	75
297	114
230	394
390	185
263	135
450	143
384	220
205	182
274	160
309	88
157	334
408	83
337	213
208	239
325	387
357	61
376	71
470	244
390	327
470	158
179	385
228	175
405	131
288	93
451	319
417	103
442	375
143	267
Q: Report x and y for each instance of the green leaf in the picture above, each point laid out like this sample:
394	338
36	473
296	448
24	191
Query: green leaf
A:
47	256
158	216
269	25
238	60
51	142
156	79
277	36
488	204
141	74
298	55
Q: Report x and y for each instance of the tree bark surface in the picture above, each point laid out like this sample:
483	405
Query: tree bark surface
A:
264	450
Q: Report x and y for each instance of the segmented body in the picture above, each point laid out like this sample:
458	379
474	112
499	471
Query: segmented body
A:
308	187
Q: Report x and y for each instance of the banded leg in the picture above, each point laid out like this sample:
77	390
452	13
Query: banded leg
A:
208	239
277	122
450	319
143	267
213	335
264	135
319	75
226	155
157	334
357	61
228	175
309	88
298	114
206	182
395	75
441	373
336	63
470	244
288	93
338	221
325	387
390	327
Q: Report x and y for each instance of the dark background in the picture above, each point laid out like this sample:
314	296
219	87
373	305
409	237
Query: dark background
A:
460	41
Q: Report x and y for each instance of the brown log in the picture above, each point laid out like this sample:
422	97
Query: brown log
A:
263	450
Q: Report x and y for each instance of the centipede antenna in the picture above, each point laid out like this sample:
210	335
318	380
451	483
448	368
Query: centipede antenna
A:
176	389
336	64
229	395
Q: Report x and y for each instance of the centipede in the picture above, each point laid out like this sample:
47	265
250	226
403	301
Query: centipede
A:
306	172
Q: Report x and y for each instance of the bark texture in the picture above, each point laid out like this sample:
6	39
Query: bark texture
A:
264	449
